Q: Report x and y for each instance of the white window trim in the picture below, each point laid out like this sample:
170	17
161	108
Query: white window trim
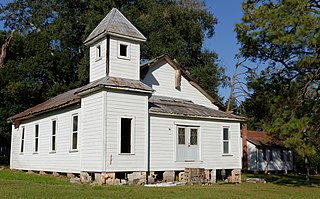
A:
71	134
54	151
229	141
22	139
34	140
97	46
128	57
133	130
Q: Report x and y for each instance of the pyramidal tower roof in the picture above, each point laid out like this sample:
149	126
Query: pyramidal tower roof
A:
115	23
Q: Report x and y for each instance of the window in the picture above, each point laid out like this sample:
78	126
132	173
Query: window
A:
53	135
126	133
270	155
74	132
181	136
226	140
36	138
282	154
194	137
123	50
98	52
288	155
22	140
264	154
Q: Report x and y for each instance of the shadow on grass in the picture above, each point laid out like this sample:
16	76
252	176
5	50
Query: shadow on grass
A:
288	180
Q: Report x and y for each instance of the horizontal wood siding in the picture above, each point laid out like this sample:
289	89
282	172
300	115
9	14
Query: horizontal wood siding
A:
120	104
163	144
256	162
161	78
125	68
62	160
92	132
98	67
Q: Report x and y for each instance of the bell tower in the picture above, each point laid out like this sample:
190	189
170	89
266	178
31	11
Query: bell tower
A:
115	48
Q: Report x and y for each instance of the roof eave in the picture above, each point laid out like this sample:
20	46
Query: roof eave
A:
196	116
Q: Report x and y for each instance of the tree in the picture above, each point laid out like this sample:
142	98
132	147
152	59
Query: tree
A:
46	56
284	34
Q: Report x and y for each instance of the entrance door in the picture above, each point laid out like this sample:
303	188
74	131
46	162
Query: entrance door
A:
187	143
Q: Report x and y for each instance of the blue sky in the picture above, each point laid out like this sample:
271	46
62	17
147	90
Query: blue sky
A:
224	42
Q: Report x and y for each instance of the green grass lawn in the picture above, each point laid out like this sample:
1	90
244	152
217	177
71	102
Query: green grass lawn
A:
17	184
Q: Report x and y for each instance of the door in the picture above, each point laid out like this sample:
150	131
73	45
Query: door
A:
187	143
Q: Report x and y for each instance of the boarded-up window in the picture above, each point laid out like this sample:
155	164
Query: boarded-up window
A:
36	138
22	140
226	140
126	135
75	132
181	136
53	135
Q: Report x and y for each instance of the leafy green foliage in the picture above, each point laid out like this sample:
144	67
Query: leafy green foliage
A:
47	57
284	34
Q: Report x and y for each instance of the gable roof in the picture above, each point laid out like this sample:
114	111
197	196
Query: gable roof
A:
73	96
115	23
145	67
181	107
262	139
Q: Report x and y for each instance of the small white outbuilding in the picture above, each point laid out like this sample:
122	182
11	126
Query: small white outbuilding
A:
130	120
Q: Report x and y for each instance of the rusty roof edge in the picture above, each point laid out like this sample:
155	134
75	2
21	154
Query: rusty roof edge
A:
31	114
194	116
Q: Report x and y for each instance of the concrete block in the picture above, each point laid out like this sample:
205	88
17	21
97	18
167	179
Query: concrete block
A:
213	176
85	177
169	176
137	178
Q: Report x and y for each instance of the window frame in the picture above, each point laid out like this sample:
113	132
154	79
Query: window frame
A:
132	135
22	140
54	135
98	49
128	50
72	149
226	141
36	138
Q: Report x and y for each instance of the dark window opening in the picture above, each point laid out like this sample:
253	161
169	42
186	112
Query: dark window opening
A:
36	137
125	135
54	128
270	155
264	154
123	50
98	52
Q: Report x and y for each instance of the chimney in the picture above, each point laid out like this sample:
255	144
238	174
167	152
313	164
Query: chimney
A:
244	134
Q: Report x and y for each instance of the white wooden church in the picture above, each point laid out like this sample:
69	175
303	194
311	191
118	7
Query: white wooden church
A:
130	119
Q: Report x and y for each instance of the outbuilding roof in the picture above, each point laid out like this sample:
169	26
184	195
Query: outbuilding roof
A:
115	23
73	96
262	139
180	107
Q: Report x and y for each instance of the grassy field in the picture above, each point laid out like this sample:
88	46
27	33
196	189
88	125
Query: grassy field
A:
16	184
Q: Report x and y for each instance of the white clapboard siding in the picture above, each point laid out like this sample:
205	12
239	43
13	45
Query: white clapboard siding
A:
161	77
256	162
164	138
120	104
98	66
62	159
125	68
93	131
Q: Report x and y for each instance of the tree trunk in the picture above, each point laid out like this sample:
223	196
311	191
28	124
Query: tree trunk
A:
3	49
306	164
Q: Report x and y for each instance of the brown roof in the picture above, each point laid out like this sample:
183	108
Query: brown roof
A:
262	139
73	96
145	67
115	23
180	107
